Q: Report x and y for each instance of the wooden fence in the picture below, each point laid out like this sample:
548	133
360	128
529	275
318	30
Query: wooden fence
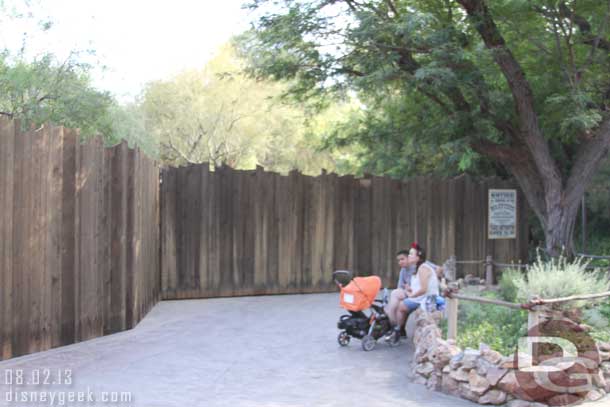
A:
228	232
89	243
79	238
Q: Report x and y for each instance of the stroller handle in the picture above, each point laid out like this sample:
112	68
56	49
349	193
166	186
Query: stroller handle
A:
342	277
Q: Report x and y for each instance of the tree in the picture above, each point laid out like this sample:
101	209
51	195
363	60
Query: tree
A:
525	84
218	115
42	89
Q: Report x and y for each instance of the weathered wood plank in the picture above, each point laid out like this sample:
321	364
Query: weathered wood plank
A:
7	184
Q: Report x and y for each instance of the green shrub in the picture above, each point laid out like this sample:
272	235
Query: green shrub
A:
561	278
508	286
599	319
499	327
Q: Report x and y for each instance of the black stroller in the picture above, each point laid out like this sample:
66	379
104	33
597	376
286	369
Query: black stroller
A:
357	295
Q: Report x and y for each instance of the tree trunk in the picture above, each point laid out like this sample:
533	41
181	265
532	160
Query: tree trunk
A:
554	198
559	230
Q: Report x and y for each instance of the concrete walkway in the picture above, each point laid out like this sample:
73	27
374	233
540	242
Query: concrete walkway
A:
252	351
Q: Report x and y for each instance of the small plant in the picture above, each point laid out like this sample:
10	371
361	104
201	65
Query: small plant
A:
599	320
559	277
497	326
508	286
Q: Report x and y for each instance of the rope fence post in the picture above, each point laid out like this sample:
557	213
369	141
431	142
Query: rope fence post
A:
452	318
533	329
450	269
489	271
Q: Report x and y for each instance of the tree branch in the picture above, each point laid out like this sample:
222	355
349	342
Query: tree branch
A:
522	96
587	161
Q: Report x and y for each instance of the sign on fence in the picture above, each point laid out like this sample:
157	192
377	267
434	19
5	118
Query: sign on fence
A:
502	214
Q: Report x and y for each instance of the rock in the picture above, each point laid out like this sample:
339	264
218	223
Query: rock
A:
508	362
456	361
495	397
421	357
470	358
467	393
478	384
461	374
450	386
495	374
446	369
594	395
425	370
604	346
573	376
433	382
605	368
563	400
483	347
483	366
599	380
604	356
510	385
442	354
436	316
451	342
492	356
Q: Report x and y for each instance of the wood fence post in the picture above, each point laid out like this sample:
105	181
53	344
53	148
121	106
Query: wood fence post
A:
489	271
450	268
452	318
533	319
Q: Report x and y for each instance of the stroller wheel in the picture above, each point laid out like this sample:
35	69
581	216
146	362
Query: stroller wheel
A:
368	343
343	338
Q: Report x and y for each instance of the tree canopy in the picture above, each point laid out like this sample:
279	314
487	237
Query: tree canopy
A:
42	88
218	115
510	85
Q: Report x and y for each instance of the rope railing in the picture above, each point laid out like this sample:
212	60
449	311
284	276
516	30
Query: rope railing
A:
470	262
451	266
510	265
532	306
593	257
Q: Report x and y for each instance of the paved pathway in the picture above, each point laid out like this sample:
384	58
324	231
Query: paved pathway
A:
253	351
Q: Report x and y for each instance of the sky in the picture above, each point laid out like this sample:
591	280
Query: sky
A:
136	41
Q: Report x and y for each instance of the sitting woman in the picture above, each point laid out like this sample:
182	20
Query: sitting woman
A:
424	283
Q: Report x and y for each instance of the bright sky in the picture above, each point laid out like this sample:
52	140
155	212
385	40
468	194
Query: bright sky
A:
138	41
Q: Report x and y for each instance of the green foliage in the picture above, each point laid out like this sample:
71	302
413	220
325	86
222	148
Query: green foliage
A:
559	277
508	286
497	326
46	90
430	87
598	318
43	89
218	115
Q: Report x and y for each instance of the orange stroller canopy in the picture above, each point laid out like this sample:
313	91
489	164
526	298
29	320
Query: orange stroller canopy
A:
360	293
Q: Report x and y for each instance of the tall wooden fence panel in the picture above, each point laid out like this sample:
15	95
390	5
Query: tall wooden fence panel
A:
228	232
79	238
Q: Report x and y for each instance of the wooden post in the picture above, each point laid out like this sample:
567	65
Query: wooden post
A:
450	268
452	318
533	319
489	272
